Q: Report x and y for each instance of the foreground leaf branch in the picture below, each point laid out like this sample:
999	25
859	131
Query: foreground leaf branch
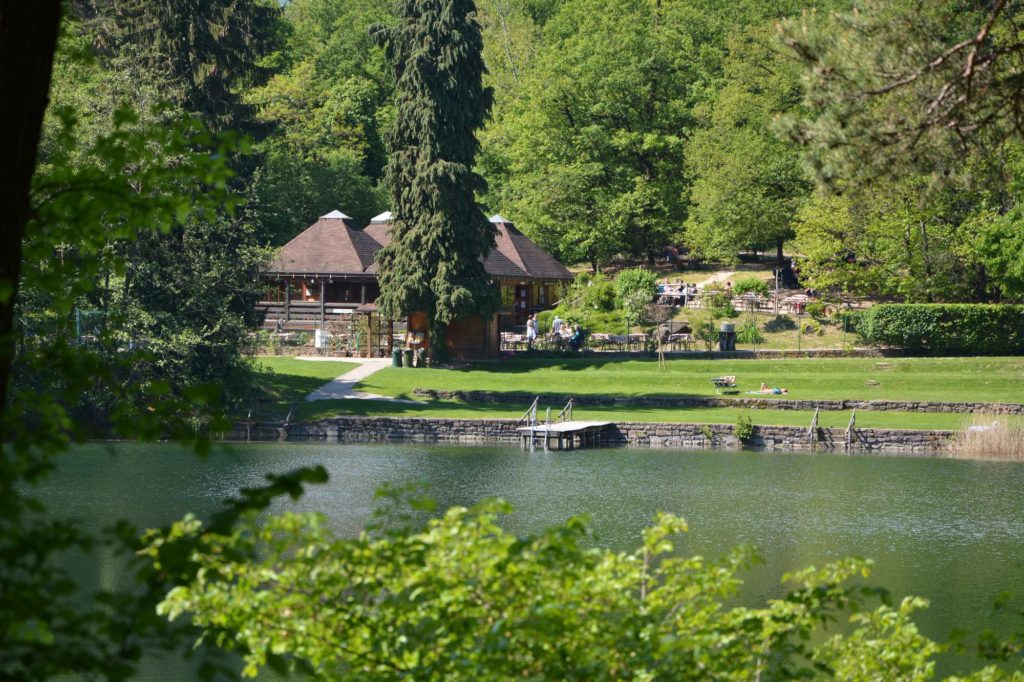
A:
460	598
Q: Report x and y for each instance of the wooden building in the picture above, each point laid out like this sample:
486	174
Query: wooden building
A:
322	276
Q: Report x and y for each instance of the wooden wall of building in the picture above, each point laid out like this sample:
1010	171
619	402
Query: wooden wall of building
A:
473	338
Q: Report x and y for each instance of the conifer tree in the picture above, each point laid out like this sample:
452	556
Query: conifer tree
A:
434	263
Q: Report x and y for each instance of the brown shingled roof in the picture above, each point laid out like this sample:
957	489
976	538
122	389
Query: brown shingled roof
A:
333	245
330	245
524	254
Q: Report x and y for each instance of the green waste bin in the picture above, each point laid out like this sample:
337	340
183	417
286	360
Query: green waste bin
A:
421	357
396	357
407	357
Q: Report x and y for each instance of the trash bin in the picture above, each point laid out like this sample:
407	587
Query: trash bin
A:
407	357
396	357
727	337
421	357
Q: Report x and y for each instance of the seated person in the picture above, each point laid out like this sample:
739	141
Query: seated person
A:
576	340
765	388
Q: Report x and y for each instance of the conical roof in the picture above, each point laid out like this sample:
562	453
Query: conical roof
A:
331	245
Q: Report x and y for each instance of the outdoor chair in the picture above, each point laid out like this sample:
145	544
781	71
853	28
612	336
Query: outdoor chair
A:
724	384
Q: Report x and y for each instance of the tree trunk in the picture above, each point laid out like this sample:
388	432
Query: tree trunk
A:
28	38
438	341
778	250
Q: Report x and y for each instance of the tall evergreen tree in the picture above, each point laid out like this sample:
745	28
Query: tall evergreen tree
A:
434	262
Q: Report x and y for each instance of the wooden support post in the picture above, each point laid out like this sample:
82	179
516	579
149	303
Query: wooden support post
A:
362	293
369	335
323	305
287	300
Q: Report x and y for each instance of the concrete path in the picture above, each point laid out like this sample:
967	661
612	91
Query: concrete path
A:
342	387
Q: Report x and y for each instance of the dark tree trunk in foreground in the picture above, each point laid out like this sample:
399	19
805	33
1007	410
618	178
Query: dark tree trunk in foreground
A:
28	38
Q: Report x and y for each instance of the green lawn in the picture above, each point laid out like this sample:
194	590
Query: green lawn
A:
287	380
941	379
975	379
325	409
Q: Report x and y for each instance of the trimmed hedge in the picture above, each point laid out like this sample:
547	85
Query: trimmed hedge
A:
945	329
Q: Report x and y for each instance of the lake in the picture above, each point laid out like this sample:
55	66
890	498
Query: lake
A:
948	530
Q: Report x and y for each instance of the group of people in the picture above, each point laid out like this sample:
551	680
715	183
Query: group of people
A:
560	332
680	292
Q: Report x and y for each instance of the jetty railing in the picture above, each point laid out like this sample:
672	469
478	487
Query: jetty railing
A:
530	416
849	429
566	414
812	431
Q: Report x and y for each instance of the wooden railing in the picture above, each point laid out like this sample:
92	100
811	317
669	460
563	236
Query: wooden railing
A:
302	313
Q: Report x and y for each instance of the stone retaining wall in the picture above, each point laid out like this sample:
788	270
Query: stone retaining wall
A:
649	434
712	401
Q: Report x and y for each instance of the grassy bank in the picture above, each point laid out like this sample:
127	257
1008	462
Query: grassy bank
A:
283	381
940	379
974	379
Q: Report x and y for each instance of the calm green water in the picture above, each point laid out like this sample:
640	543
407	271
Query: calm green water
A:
951	531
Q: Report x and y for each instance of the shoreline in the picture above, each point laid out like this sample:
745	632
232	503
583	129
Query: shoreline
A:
357	429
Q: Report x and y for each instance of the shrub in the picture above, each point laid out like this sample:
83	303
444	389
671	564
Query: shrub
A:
945	329
707	333
744	429
635	290
715	296
635	280
748	332
780	323
610	322
848	318
544	319
811	327
815	309
751	284
595	292
660	614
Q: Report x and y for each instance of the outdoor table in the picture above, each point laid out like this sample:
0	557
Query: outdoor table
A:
683	340
598	340
639	339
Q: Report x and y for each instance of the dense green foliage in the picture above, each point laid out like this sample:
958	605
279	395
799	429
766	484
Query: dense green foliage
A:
946	329
748	183
635	289
461	598
434	262
751	285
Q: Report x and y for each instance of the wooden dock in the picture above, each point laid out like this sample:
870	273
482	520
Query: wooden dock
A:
567	434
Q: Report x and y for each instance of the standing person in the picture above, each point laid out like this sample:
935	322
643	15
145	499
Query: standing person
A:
556	326
531	330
